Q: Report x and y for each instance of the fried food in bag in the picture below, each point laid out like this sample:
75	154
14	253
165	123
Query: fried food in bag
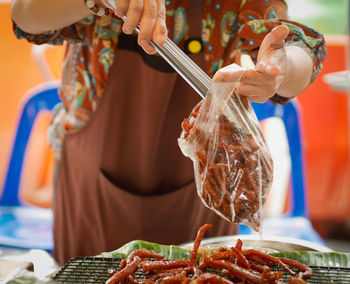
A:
232	165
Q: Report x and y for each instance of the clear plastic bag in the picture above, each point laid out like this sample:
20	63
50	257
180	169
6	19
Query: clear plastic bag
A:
232	165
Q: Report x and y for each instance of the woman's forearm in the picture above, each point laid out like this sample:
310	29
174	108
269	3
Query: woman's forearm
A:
38	16
299	74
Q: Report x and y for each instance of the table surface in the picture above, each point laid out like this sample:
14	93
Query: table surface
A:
14	260
338	80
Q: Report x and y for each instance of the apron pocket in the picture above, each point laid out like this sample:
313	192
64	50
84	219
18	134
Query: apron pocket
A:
168	218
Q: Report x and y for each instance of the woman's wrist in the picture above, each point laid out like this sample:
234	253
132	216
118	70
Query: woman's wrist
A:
298	75
41	16
97	7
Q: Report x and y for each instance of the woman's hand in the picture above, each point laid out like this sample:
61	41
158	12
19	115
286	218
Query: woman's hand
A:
271	70
285	70
39	16
151	16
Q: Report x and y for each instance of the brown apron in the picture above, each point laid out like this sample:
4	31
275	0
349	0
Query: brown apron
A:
123	177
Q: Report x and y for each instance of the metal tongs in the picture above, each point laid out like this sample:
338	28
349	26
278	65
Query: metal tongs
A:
177	59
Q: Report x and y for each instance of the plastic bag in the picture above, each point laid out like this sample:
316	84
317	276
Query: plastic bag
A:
232	165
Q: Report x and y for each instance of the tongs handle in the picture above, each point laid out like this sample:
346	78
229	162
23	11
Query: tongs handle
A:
177	59
184	66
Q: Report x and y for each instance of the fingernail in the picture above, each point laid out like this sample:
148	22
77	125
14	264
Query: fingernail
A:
151	51
161	37
147	48
127	30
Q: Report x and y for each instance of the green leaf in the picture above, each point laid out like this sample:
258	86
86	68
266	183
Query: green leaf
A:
170	252
333	259
318	258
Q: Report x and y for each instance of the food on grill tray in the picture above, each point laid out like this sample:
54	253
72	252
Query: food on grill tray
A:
233	168
229	265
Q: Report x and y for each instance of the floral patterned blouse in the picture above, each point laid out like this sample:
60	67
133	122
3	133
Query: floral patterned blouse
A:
228	26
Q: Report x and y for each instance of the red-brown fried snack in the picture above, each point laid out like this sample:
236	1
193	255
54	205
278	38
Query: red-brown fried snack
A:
228	265
233	167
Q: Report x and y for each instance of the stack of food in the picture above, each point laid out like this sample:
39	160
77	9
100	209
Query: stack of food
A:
229	265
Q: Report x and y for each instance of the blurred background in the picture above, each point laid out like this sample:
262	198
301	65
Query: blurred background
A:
325	111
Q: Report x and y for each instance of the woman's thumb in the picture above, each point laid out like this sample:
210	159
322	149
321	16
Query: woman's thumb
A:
275	39
272	41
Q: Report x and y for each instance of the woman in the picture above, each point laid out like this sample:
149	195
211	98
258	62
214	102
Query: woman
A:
121	175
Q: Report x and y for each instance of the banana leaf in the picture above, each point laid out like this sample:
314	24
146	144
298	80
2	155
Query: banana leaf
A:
170	252
313	258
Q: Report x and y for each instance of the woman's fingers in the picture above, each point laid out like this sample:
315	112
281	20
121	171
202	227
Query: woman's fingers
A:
228	73
121	7
147	25
224	77
133	15
252	77
269	69
149	15
255	85
273	40
255	93
272	54
160	32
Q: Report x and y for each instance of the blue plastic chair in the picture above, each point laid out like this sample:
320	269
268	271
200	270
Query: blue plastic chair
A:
21	225
295	223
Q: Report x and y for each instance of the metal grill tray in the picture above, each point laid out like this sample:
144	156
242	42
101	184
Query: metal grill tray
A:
94	270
